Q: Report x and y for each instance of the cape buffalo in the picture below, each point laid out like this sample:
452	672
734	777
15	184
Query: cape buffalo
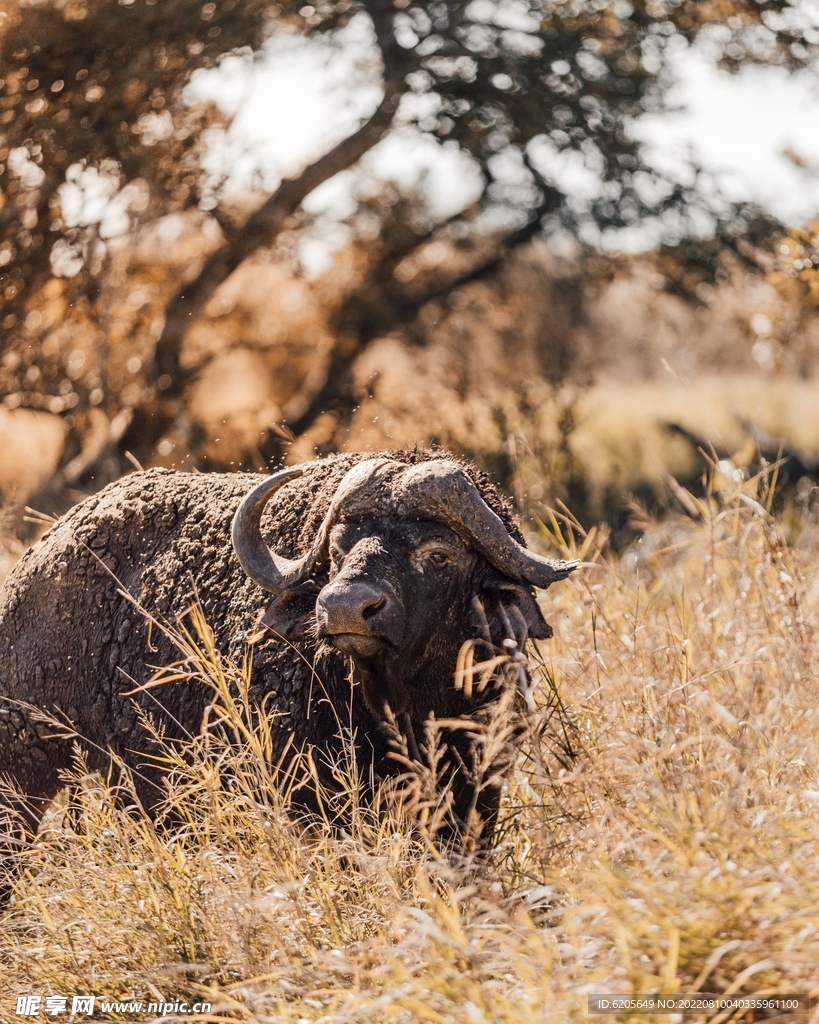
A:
367	570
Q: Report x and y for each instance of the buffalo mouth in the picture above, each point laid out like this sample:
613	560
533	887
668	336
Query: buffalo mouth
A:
359	645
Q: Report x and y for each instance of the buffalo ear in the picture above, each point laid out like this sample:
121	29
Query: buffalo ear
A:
509	605
291	613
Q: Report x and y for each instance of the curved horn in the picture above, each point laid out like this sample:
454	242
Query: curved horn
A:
440	489
269	570
364	485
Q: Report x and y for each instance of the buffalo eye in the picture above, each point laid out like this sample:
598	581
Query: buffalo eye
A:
336	554
438	558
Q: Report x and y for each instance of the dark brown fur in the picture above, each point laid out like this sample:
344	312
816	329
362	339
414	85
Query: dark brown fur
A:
72	644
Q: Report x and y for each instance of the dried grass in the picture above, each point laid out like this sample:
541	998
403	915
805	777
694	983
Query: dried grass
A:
678	849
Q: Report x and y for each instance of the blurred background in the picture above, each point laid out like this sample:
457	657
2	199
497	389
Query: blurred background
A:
569	239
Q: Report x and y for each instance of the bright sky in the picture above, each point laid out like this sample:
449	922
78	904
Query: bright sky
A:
302	97
741	127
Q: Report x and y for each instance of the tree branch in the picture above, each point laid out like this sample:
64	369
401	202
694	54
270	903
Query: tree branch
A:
396	309
261	227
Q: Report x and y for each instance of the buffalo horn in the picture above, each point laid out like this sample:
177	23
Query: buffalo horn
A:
440	489
364	484
263	566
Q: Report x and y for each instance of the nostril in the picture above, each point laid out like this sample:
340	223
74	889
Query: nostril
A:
352	607
373	607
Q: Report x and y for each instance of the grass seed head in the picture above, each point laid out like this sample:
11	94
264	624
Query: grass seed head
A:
659	829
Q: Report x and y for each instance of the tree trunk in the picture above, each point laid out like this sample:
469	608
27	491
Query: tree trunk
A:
262	227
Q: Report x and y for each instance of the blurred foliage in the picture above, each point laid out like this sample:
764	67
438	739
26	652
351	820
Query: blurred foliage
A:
571	76
114	245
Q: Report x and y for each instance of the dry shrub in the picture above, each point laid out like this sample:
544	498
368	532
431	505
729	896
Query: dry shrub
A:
585	446
675	848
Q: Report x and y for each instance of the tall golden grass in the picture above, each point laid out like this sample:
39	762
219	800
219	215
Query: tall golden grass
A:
678	850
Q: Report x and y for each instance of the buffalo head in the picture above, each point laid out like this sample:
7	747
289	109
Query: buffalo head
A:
415	564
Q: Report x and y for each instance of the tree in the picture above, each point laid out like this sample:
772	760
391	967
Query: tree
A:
92	98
